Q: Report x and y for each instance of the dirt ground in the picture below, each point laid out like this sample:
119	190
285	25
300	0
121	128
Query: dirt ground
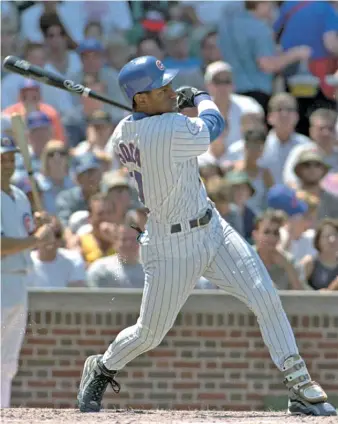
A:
71	416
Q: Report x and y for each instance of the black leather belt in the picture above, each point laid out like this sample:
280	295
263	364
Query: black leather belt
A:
199	222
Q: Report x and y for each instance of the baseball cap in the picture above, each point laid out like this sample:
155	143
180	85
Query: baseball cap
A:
99	117
28	83
77	220
153	21
8	144
216	68
38	119
85	162
90	45
112	180
284	198
238	178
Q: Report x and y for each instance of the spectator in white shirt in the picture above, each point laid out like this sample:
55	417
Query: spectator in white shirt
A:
283	117
121	270
34	53
218	81
60	57
325	141
56	267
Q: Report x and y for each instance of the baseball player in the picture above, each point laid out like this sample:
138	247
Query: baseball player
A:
17	237
185	236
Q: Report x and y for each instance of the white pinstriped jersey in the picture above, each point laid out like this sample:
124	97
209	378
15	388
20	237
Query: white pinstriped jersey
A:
161	153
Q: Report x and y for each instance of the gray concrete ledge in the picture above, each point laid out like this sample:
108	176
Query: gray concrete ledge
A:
203	301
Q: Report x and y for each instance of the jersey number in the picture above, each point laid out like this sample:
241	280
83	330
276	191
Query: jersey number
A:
138	178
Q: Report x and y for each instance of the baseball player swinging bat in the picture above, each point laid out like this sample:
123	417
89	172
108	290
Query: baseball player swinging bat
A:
27	70
20	132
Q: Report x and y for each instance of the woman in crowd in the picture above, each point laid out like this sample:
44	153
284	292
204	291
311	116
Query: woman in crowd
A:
321	271
260	178
55	177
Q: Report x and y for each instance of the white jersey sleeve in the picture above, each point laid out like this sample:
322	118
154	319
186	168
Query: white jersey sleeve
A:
190	138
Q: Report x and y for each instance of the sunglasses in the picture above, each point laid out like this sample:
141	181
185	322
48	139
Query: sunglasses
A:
58	234
312	165
57	153
271	233
217	81
285	109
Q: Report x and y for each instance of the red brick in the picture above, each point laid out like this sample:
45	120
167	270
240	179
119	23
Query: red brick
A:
162	364
306	321
65	373
186	406
230	343
62	395
235	333
330	355
211	396
240	365
254	396
187	375
331	387
172	333
308	335
187	385
254	334
64	363
211	333
91	332
42	404
90	342
138	374
257	354
109	332
328	345
26	351
40	341
211	365
160	353
184	364
42	352
186	333
66	331
41	383
310	354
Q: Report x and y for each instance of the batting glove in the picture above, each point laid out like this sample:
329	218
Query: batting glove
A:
186	96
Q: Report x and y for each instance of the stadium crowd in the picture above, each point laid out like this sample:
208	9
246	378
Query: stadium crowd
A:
271	68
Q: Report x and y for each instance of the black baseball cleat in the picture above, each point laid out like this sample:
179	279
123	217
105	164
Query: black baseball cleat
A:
94	381
306	397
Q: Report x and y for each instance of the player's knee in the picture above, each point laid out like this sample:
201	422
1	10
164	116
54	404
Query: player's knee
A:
147	338
268	301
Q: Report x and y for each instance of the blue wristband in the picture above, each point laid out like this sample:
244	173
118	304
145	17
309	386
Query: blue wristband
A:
200	97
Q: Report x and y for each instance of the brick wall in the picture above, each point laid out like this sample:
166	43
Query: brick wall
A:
213	357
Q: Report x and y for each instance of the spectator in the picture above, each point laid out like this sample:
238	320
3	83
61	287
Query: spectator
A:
298	233
261	178
322	132
30	101
94	30
122	269
310	169
87	176
209	170
313	24
54	176
100	241
249	121
241	191
58	45
282	138
322	270
118	51
11	83
10	42
247	44
99	128
39	133
76	122
176	42
219	192
218	80
92	57
209	50
119	194
56	267
279	264
150	46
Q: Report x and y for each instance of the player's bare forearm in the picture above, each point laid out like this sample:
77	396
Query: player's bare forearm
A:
11	246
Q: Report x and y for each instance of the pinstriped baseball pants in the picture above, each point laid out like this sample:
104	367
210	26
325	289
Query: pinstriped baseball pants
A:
174	264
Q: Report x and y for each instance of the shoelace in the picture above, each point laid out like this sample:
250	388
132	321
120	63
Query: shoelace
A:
99	385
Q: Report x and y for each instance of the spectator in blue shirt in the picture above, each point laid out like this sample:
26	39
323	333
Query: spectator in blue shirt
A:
247	44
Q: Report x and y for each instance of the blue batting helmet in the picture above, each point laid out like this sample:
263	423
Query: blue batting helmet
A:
144	73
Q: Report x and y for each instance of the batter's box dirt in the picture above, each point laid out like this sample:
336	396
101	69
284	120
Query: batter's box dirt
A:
71	416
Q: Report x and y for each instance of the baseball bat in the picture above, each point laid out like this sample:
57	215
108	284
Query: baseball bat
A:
27	70
20	133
